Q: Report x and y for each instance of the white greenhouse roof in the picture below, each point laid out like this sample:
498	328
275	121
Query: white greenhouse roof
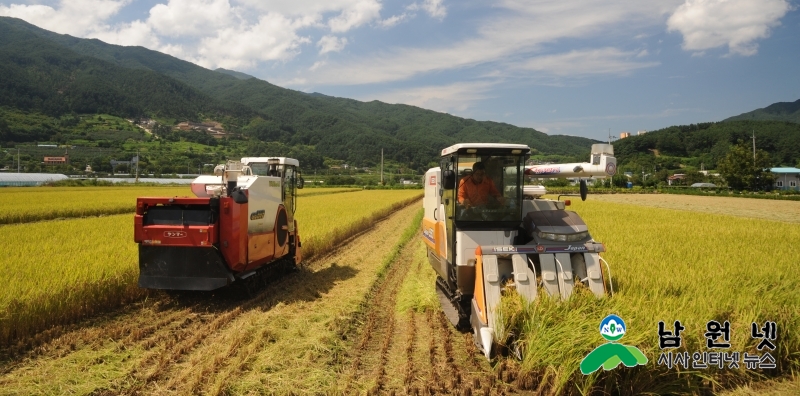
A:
29	179
785	170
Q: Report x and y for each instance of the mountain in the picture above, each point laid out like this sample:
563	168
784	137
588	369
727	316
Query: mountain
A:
40	75
239	75
706	143
781	111
336	127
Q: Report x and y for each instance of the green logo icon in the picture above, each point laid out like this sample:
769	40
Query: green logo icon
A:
611	354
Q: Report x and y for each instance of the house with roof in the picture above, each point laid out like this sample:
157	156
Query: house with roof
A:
786	178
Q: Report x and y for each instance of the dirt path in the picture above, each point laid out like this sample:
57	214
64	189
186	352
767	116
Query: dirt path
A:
410	352
786	211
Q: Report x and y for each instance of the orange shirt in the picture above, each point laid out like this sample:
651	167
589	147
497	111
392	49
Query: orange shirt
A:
477	194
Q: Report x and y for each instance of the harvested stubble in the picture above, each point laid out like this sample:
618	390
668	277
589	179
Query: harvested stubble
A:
668	265
27	204
58	271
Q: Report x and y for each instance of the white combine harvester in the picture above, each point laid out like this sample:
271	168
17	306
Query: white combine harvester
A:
516	240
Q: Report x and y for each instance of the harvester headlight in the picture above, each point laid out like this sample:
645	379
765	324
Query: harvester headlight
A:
577	237
564	237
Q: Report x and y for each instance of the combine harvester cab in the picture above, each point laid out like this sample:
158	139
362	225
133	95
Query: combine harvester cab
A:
513	241
240	223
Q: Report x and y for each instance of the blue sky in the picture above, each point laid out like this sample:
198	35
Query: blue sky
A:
580	67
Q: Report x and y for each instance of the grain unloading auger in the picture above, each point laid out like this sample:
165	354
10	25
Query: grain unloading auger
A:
239	226
512	239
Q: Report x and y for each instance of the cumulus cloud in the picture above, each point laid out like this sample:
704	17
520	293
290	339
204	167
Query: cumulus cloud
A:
74	17
190	17
273	37
331	44
737	24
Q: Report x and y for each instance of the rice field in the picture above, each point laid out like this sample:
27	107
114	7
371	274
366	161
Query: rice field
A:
55	272
668	265
28	204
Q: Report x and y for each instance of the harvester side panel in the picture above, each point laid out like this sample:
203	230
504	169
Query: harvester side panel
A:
233	233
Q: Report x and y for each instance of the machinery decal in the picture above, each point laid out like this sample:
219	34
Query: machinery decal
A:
428	234
257	215
611	168
569	248
432	181
545	170
542	249
174	234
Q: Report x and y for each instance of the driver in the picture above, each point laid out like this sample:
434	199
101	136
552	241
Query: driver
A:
474	190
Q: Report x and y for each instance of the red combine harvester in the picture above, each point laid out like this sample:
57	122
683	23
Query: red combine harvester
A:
240	227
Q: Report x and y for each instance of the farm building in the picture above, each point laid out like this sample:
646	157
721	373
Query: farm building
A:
786	178
28	179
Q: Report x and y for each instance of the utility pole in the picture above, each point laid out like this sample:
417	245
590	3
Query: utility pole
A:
137	165
381	166
754	147
609	136
17	159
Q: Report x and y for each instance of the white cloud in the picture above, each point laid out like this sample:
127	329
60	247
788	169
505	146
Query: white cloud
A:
450	98
584	62
707	24
434	8
394	20
74	17
303	7
316	65
358	14
190	17
331	44
273	38
134	33
518	30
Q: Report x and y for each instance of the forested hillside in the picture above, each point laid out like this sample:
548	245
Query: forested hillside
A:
781	111
40	75
707	143
335	127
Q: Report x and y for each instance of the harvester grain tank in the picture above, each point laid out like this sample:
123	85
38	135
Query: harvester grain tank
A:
514	240
239	224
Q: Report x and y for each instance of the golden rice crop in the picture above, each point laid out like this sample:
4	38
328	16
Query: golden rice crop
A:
326	221
669	265
310	192
26	204
54	272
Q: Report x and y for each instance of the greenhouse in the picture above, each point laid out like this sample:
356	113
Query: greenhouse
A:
28	179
